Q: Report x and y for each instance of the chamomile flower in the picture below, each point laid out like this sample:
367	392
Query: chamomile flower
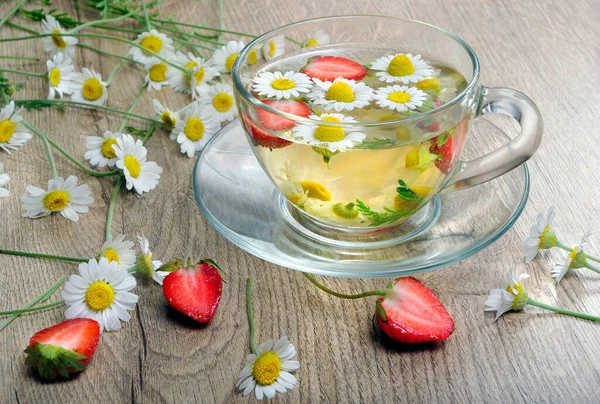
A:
56	43
575	259
441	87
340	94
146	265
334	138
140	175
88	87
156	74
541	236
118	250
152	41
165	114
401	68
275	47
224	58
63	196
511	296
319	38
268	371
195	129
399	98
200	72
101	291
281	85
4	179
13	133
100	150
219	100
60	74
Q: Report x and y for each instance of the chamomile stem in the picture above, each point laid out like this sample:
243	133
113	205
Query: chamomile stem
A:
132	269
562	311
102	21
588	266
191	44
12	11
103	52
149	133
148	25
567	248
45	306
380	292
221	22
133	105
24	73
22	28
292	40
250	317
42	136
183	24
44	256
19	58
111	206
114	71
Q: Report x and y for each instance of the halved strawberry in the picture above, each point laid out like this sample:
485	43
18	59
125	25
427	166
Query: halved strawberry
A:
272	121
414	315
329	68
262	137
445	151
64	348
194	290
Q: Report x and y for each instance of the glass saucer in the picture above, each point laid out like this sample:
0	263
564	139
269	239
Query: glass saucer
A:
240	201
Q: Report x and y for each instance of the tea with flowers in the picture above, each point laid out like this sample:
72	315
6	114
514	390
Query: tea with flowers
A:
356	176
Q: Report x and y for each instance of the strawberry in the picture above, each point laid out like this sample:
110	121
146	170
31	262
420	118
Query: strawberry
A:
271	121
445	151
329	68
64	348
263	138
414	315
194	290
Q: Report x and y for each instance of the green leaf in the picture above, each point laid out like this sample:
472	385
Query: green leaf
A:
443	137
407	194
41	104
52	359
376	143
378	218
136	132
46	2
63	18
380	311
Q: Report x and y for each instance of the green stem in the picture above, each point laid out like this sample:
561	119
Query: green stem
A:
132	269
562	311
119	29
44	256
24	73
111	206
114	71
221	22
588	266
12	11
19	311
149	133
102	21
380	292
178	31
292	40
148	25
19	58
250	317
183	24
42	136
22	28
103	52
567	248
133	105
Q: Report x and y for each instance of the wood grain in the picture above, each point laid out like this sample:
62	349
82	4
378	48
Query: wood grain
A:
548	50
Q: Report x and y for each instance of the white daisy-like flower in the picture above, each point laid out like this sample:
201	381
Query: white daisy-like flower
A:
63	196
100	150
201	71
319	38
399	98
118	250
56	43
146	265
275	47
4	179
575	259
165	114
268	371
195	129
140	174
340	94
219	100
441	87
156	74
541	236
101	292
282	85
511	296
401	68
13	133
224	58
60	73
152	41
88	87
334	138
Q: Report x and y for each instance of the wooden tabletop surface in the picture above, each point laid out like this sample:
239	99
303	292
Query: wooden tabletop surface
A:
549	50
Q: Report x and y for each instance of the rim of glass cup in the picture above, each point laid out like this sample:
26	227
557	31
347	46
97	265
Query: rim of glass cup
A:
240	87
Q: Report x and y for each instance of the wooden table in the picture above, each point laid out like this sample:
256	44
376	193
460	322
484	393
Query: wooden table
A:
548	50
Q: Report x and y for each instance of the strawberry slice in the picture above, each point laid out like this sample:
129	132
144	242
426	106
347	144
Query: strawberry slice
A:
329	68
414	315
272	121
194	290
445	151
64	348
263	138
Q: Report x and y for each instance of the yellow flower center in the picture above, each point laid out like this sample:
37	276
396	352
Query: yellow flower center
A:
412	158
400	97
340	92
222	102
230	61
194	129
401	65
191	64
152	43
316	190
328	133
311	42
294	198
168	118
57	40
158	72
99	295
252	57
92	89
272	48
199	75
7	130
133	166
266	369
520	300
283	84
432	84
111	255
54	77
56	200
107	148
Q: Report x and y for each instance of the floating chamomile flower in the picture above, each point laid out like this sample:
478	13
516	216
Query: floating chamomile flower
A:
4	179
294	192
165	114
511	296
541	236
225	57
401	68
118	250
575	259
100	150
147	266
12	132
275	47
341	94
56	43
319	38
399	98
152	41
101	291
195	129
88	87
140	174
282	85
63	196
156	74
443	88
60	73
332	137
219	100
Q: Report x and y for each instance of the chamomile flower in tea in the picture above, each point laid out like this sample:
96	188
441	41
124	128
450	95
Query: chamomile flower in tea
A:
219	100
282	85
100	151
401	68
57	43
60	73
12	132
152	41
334	138
399	98
195	129
88	87
225	57
274	48
341	94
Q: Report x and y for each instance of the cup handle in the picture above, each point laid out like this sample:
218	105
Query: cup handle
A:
516	152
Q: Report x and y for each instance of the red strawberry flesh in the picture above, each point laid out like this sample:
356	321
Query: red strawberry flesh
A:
329	68
446	154
272	121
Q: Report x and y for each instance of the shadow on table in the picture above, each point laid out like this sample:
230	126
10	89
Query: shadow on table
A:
391	345
183	320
